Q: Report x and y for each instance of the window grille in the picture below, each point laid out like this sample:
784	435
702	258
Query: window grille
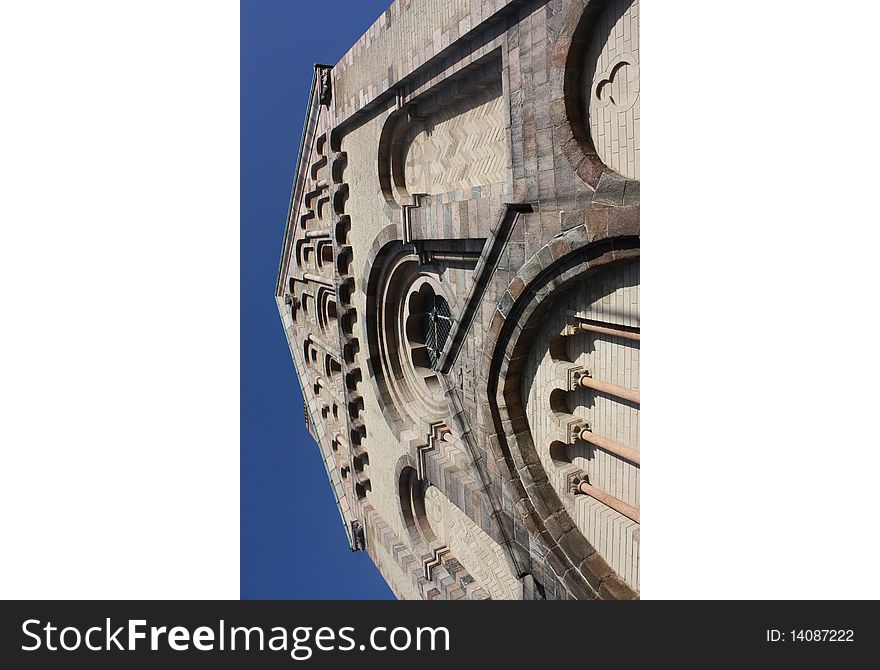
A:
438	324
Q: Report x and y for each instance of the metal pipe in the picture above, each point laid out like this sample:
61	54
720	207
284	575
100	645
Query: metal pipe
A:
616	504
607	330
627	453
610	389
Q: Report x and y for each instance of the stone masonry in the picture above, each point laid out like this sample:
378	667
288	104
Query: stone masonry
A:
459	289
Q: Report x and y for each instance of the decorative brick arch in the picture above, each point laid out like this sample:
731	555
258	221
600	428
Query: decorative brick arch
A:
567	105
410	508
390	233
390	139
393	271
566	259
435	565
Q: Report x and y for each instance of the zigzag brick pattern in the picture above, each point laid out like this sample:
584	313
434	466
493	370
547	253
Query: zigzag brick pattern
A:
458	148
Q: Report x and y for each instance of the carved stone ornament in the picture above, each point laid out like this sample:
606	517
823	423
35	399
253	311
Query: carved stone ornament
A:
326	89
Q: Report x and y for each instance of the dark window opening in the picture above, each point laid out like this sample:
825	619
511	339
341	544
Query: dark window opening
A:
437	325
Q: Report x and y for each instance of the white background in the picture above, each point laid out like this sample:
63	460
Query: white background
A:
119	370
119	262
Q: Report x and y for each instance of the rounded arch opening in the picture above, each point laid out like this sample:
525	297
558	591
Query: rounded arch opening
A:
560	453
559	401
411	491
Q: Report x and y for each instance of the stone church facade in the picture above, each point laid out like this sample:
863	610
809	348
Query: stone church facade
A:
459	286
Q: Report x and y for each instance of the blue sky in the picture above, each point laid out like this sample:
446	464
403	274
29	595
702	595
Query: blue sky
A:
292	541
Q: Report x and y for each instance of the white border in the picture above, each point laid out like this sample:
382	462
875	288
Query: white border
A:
120	240
760	363
120	377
